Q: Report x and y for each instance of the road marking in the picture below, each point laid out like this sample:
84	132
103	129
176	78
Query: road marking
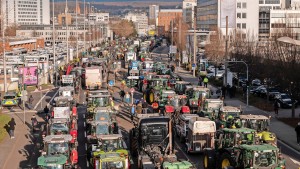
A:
84	124
87	163
43	98
295	161
19	111
85	146
84	116
183	152
291	148
85	134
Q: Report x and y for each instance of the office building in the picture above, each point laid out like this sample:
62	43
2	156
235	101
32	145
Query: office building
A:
140	21
285	23
26	12
166	16
153	11
188	11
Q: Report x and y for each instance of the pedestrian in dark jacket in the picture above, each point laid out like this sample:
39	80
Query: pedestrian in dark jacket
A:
12	125
223	89
297	129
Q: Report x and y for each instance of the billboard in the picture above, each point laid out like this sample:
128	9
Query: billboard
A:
30	75
228	8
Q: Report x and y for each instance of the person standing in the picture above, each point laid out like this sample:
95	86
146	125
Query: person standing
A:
122	95
34	122
139	108
132	112
12	125
127	97
297	129
200	81
205	81
145	106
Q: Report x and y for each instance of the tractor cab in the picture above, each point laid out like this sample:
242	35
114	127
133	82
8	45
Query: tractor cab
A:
64	101
229	117
110	160
261	124
178	101
66	91
165	97
60	145
109	143
97	92
98	101
196	97
59	126
182	125
200	135
233	137
180	87
211	108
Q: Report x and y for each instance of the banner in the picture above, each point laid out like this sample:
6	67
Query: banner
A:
228	8
30	75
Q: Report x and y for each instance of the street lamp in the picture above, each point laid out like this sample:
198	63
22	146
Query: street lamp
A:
292	98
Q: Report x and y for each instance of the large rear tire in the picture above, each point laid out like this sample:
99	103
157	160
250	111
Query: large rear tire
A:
133	144
225	161
209	159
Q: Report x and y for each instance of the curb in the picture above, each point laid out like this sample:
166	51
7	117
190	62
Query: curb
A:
295	148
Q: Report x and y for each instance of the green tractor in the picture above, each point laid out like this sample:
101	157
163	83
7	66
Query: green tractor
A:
178	165
261	124
52	161
103	160
211	108
196	96
228	117
241	148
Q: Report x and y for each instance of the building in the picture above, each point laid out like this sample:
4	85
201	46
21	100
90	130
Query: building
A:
153	13
264	16
99	31
211	15
285	23
99	17
140	21
188	11
25	12
28	44
165	17
64	18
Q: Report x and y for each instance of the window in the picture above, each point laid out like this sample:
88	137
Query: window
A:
244	15
244	5
238	26
238	15
238	5
243	25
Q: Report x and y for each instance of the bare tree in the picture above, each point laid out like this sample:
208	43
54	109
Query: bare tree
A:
215	49
124	28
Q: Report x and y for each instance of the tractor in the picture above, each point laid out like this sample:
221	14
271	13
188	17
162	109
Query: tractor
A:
181	125
210	108
151	141
228	117
181	86
59	146
261	124
196	96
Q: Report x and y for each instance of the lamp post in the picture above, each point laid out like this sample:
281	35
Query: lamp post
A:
292	98
67	37
84	11
77	31
53	43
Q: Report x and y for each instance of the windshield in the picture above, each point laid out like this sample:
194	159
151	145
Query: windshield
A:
259	125
101	116
111	145
159	83
285	96
154	134
59	128
99	101
102	129
178	102
58	148
264	159
231	115
9	97
212	106
203	94
63	103
113	165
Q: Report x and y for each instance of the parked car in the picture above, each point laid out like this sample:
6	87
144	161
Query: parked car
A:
285	101
259	90
271	91
256	82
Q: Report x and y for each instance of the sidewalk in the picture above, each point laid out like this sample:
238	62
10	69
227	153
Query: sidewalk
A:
284	132
22	151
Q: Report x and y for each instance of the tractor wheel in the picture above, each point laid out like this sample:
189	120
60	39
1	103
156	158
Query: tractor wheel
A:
225	161
151	97
145	96
133	144
209	159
